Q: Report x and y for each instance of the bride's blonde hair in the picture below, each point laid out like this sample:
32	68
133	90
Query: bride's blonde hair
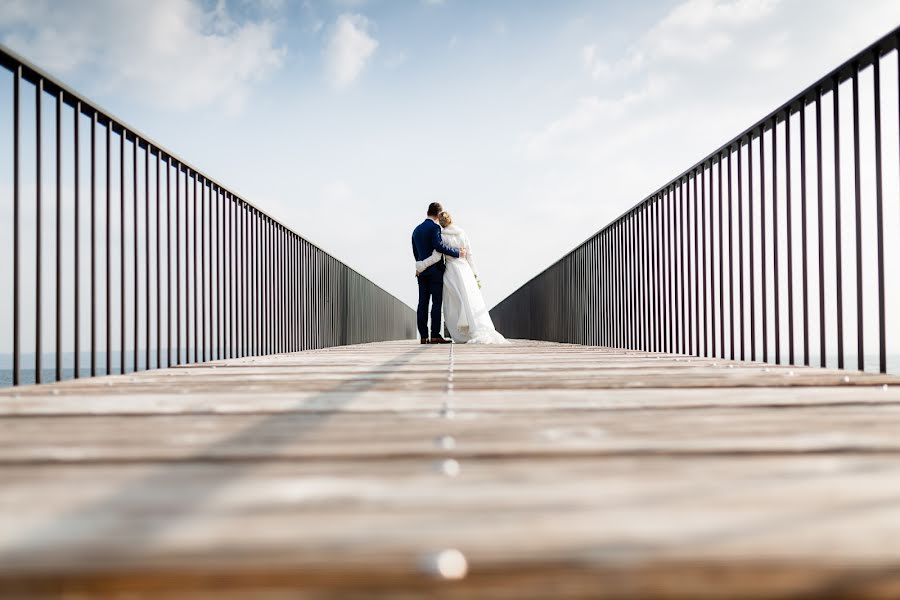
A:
445	219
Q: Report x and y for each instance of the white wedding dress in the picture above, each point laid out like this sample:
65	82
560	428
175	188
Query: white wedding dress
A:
465	312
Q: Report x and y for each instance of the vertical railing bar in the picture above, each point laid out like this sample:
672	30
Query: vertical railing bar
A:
750	242
710	256
122	251
270	287
241	305
696	267
295	321
634	282
190	269
257	305
197	267
220	286
775	302
238	267
624	249
215	210
58	330
93	244
17	83
652	273
158	265
682	326
721	265
204	302
821	238
640	295
211	203
860	346
147	267
226	279
39	199
619	323
214	280
762	243
659	249
169	323
232	281
649	272
108	248
731	256
282	289
134	200
740	200
76	153
837	223
246	267
178	263
639	292
247	297
626	282
703	257
879	208
58	362
790	235
671	315
804	233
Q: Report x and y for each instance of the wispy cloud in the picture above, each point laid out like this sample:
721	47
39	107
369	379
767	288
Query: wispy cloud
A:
178	54
695	30
680	47
349	49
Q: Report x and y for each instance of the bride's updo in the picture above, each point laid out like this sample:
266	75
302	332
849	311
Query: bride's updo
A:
445	219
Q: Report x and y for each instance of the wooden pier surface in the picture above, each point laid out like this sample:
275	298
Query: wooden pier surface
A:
533	470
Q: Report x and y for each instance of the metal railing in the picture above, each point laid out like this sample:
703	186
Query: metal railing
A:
154	263
709	263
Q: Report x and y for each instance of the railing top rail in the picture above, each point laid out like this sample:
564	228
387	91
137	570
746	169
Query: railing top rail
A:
54	86
824	84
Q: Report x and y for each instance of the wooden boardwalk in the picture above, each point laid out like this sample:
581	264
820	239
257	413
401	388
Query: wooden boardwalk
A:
531	470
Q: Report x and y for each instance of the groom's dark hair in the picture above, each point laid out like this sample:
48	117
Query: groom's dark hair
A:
434	209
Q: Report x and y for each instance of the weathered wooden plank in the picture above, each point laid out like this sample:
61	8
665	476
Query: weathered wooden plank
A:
868	429
577	471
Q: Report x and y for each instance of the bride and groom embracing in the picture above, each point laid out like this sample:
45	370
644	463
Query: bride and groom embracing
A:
446	273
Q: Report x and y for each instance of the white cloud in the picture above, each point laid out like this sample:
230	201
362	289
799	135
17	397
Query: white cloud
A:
688	46
695	30
177	54
349	49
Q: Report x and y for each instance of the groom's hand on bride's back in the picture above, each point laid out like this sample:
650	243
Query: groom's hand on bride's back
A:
462	252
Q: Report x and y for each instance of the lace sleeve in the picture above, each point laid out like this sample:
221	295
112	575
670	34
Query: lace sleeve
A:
421	265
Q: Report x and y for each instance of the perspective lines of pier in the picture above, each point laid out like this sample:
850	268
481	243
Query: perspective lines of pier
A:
534	469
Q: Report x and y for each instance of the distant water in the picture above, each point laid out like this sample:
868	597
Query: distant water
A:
48	367
48	374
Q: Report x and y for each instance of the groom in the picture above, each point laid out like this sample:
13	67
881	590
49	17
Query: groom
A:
426	238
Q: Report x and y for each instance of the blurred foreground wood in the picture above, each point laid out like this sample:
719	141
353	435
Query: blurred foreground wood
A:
526	471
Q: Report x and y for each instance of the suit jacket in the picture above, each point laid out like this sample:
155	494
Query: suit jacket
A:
426	238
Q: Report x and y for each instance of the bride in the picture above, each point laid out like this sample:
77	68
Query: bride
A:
465	313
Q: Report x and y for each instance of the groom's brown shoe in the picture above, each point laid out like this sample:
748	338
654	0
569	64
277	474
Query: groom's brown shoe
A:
424	341
439	340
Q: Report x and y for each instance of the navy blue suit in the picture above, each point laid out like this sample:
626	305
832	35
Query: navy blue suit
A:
426	238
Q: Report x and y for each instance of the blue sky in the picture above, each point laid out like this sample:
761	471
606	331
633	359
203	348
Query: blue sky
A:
535	123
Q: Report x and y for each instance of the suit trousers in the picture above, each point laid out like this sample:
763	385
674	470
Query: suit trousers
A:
431	287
